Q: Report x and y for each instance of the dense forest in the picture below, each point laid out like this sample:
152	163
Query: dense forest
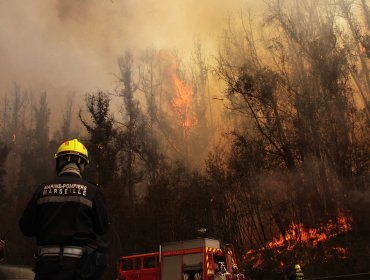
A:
265	144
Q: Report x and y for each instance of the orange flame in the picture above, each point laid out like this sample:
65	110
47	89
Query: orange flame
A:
182	100
298	234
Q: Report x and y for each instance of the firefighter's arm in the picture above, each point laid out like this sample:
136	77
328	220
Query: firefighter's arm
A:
100	218
28	220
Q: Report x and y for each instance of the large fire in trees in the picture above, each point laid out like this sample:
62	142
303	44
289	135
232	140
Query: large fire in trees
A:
181	101
302	244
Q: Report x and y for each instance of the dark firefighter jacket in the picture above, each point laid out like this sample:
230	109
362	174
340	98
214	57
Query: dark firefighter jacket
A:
67	211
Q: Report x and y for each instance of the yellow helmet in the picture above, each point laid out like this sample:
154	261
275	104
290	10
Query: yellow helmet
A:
297	267
73	147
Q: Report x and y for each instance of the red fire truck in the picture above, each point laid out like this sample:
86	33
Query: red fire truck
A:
196	259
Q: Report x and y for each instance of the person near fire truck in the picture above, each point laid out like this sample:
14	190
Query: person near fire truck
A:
237	275
219	275
297	273
65	214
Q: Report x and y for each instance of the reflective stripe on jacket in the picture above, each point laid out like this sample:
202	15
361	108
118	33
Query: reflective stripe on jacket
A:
66	210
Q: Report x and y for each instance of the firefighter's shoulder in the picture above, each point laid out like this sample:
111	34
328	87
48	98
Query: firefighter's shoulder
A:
95	184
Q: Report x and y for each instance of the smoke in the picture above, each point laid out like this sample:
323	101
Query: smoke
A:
61	46
66	47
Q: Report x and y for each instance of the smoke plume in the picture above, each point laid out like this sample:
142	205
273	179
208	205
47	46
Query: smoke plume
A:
63	46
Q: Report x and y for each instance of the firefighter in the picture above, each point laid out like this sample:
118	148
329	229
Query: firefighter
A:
65	214
297	274
236	273
218	272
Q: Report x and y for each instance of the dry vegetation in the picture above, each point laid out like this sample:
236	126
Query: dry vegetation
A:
288	183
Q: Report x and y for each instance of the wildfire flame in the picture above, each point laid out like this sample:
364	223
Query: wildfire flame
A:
298	234
182	100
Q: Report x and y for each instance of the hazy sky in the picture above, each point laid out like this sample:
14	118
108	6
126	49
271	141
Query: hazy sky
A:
61	46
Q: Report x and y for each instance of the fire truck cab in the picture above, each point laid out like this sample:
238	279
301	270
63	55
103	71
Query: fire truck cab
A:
196	259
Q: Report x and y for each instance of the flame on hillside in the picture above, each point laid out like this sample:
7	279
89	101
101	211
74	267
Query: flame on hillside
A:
298	235
182	100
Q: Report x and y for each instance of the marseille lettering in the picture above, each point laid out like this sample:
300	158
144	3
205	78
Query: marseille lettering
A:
65	189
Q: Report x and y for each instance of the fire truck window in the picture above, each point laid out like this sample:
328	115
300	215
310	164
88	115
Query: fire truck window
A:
149	262
127	265
137	263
